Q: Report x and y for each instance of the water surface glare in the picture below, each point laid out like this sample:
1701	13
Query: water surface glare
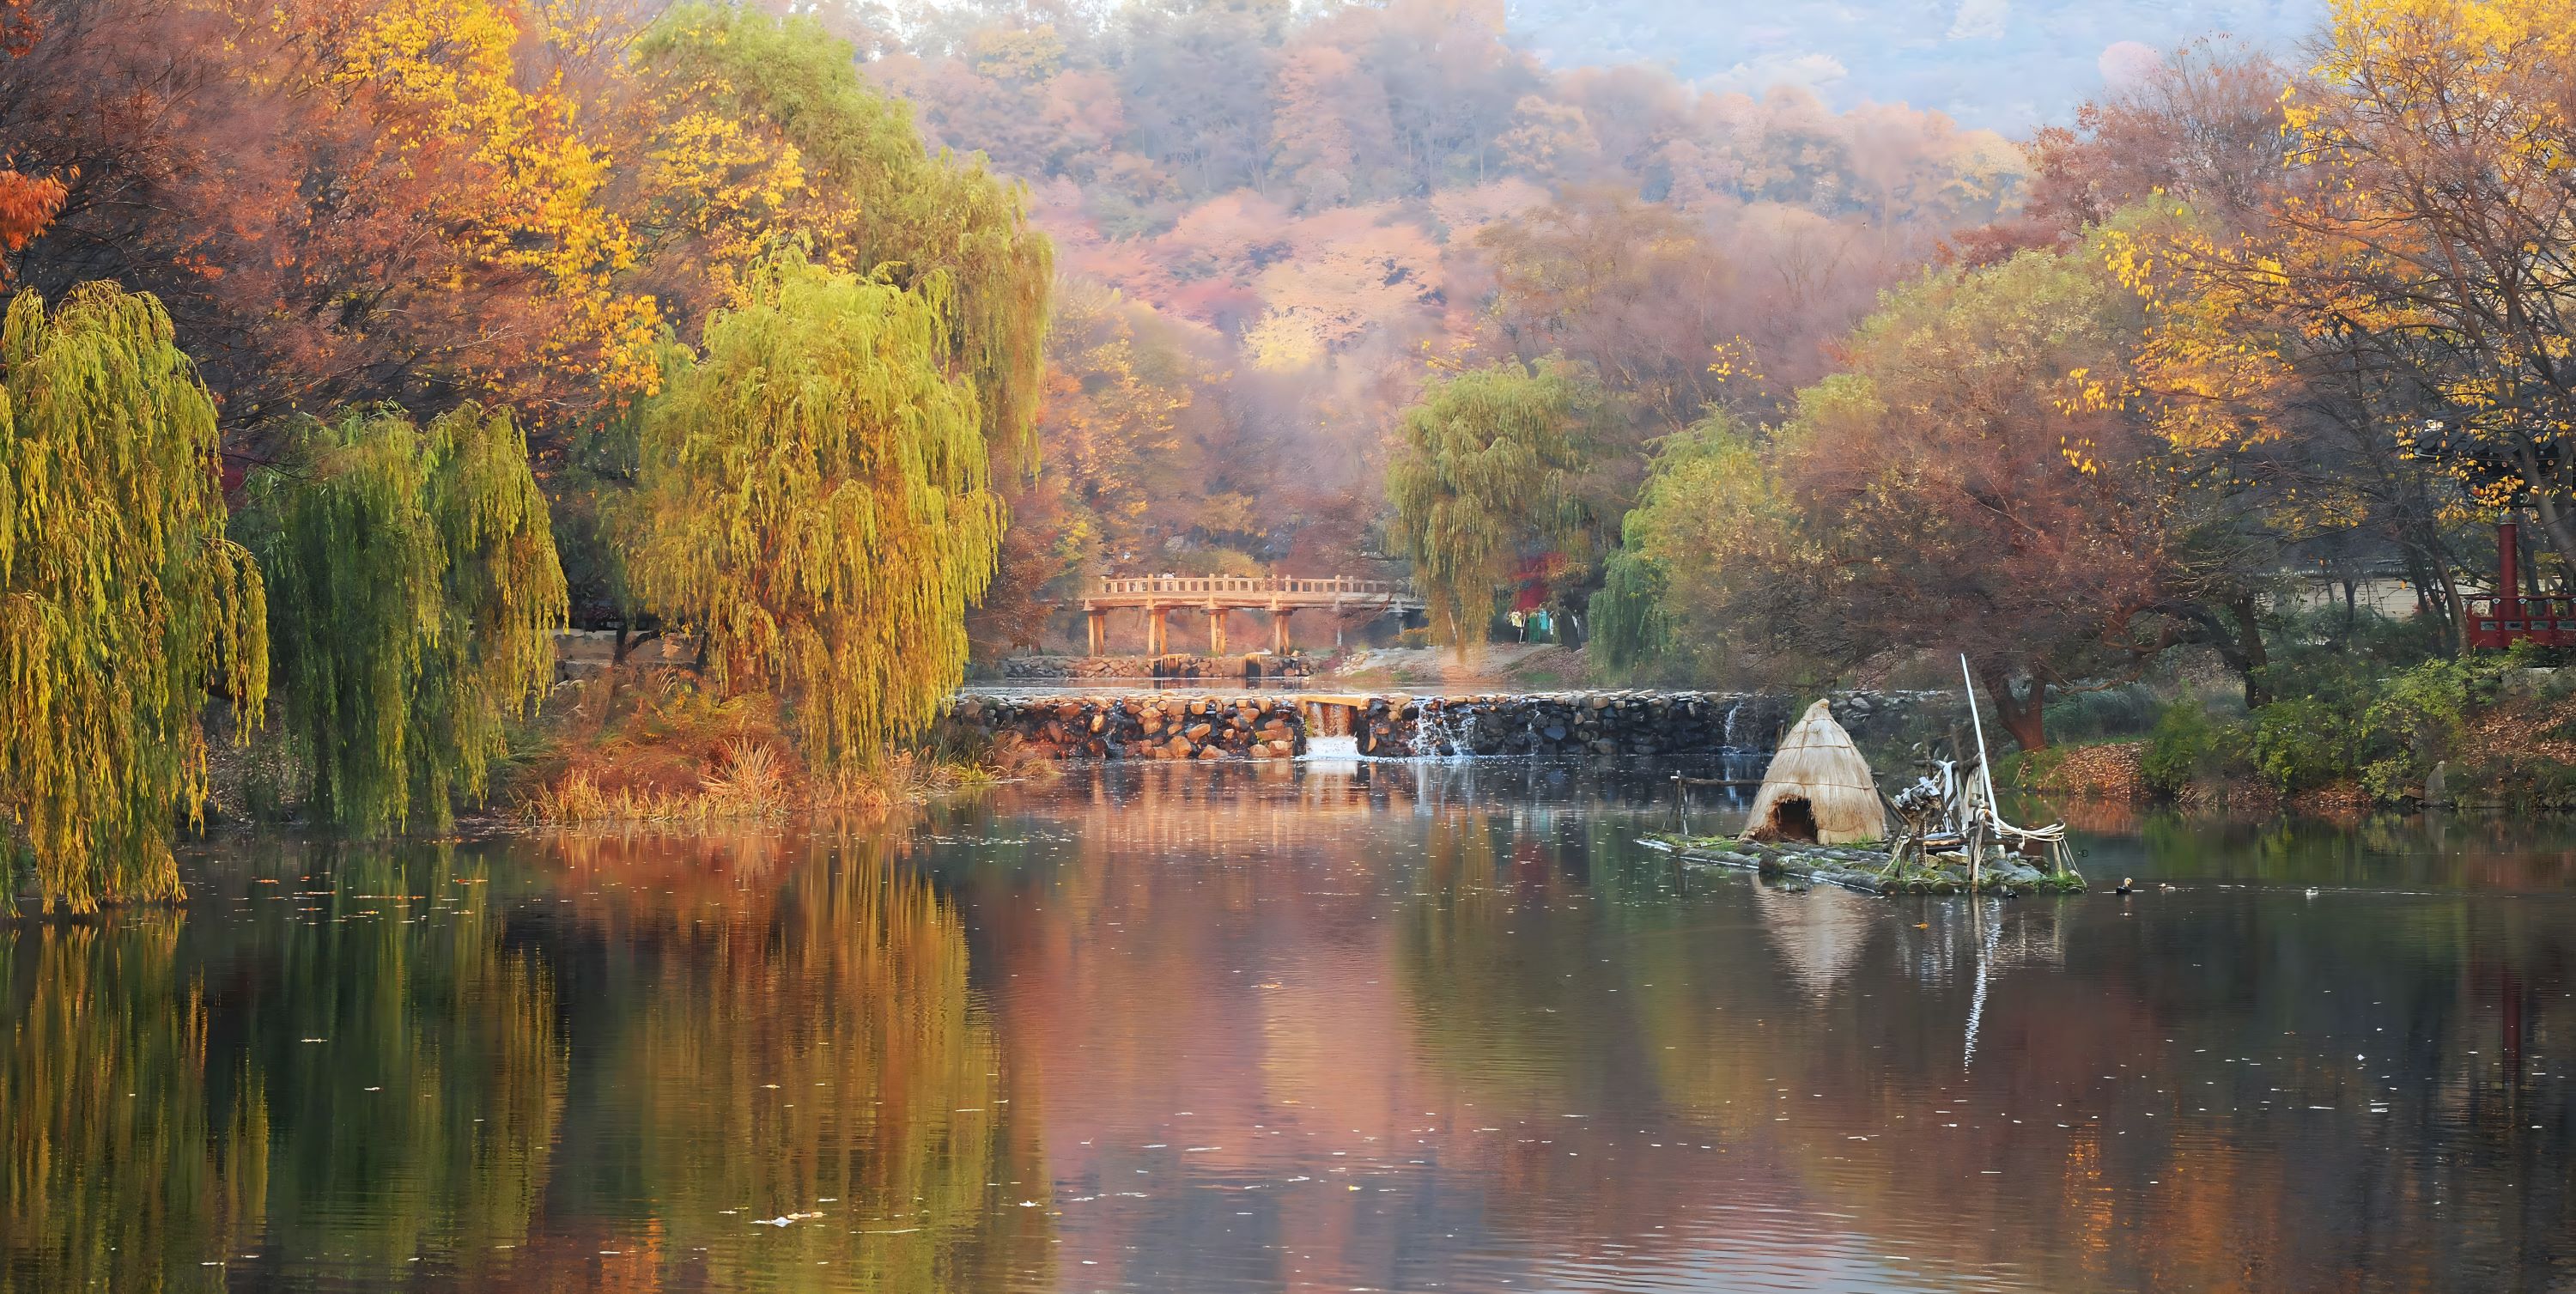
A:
1337	1026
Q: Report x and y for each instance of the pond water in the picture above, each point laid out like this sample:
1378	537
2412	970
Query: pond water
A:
1364	1026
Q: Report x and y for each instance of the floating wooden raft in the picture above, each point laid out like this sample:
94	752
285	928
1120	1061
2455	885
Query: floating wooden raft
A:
1869	871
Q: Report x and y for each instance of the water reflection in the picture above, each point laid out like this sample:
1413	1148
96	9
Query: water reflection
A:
623	1070
2438	851
1404	1026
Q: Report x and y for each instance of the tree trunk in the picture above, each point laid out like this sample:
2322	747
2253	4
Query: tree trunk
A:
2021	718
2432	597
2258	693
2555	523
2456	613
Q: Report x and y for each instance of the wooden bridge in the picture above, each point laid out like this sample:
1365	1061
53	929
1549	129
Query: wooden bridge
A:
1283	596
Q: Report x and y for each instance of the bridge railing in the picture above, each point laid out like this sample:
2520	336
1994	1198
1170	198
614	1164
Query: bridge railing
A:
1182	586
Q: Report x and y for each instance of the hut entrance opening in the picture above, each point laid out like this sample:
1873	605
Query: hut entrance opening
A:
1792	820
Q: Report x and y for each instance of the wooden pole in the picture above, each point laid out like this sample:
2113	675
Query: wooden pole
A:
1985	773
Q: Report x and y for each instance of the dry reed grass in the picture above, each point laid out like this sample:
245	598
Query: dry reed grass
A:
650	748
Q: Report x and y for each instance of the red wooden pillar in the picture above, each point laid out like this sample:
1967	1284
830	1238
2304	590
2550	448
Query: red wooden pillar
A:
2509	570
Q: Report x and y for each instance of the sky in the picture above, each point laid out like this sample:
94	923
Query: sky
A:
2004	64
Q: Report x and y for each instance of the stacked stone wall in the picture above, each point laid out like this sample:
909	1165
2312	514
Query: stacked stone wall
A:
1156	725
1551	725
1570	725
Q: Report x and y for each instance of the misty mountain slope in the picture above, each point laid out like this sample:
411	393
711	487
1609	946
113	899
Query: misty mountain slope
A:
2001	64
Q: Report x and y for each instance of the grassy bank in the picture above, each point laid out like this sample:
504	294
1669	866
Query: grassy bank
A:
2348	724
643	746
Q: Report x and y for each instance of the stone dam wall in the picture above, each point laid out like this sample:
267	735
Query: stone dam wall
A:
1551	725
1149	725
1570	725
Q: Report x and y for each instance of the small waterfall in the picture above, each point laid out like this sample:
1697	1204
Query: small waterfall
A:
1733	760
1333	749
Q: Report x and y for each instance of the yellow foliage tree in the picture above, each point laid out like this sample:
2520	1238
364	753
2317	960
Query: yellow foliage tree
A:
2420	263
763	131
440	77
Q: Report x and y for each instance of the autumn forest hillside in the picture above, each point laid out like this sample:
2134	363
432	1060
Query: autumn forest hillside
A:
1272	222
355	348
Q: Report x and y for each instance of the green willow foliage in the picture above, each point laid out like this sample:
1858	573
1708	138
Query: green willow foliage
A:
1629	627
121	602
936	224
415	596
1484	476
1707	552
814	500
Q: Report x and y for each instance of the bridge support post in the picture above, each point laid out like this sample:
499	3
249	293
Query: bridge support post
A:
1097	619
1279	630
1158	631
1216	631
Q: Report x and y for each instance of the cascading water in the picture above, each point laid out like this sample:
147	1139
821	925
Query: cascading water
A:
1734	762
1332	749
1436	736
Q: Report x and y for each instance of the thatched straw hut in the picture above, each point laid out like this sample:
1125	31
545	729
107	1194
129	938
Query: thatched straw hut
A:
1818	788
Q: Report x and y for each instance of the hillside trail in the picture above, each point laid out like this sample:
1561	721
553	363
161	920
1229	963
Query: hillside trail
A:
1528	667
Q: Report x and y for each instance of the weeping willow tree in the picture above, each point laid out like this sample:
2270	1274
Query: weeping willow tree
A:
415	596
122	604
809	150
1674	595
1628	624
813	501
1489	471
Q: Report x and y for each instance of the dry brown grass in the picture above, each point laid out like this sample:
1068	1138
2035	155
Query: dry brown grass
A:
651	748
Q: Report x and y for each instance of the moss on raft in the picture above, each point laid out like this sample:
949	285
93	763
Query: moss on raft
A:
1867	869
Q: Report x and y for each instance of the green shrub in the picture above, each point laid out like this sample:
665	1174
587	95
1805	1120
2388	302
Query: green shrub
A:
2185	747
2124	711
2304	742
2418	718
1414	637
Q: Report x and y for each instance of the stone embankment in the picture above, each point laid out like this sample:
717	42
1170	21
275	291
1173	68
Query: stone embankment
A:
1569	725
1158	725
1550	725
